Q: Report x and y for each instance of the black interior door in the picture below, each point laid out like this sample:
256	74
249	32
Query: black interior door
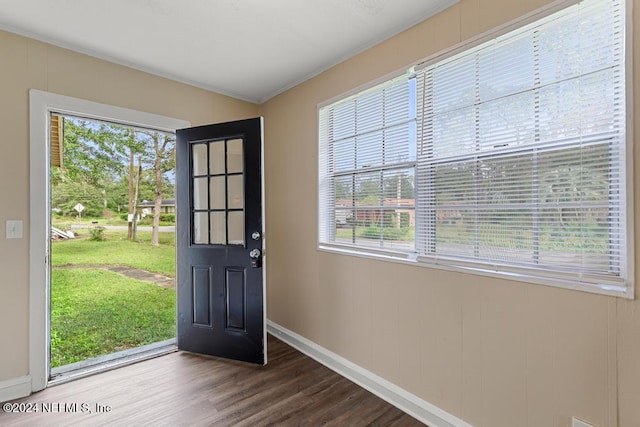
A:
219	240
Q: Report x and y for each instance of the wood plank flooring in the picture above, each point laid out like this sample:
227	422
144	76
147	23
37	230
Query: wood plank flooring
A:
186	389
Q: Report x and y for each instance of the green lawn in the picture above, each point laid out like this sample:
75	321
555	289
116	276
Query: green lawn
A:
96	312
116	250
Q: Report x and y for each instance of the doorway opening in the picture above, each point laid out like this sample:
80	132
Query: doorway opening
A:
41	105
112	247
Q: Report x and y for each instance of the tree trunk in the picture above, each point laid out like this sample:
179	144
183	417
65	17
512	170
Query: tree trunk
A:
135	202
130	210
157	204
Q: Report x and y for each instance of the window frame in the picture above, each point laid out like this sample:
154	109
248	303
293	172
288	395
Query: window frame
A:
501	270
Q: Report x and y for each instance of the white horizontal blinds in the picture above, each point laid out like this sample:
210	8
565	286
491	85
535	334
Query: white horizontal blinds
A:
521	160
325	182
367	161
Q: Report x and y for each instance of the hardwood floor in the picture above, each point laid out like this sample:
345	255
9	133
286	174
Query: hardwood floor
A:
186	389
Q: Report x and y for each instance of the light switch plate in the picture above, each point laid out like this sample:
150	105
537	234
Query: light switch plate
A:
14	229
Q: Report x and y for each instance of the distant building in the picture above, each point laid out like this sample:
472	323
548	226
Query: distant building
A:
167	206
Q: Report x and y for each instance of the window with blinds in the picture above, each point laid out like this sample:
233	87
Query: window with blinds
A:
511	160
367	168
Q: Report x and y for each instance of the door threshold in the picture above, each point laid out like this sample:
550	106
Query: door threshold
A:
96	365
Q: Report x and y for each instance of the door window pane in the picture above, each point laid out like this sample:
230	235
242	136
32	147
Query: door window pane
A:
199	158
216	157
234	156
200	200
218	192
200	228
236	192
218	228
236	228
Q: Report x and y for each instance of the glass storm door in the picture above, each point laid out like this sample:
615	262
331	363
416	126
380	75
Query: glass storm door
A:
219	240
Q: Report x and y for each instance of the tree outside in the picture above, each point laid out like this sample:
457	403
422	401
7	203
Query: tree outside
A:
110	169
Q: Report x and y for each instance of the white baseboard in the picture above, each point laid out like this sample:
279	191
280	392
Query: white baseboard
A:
15	388
411	404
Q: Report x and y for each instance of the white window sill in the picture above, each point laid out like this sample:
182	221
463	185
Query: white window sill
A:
499	272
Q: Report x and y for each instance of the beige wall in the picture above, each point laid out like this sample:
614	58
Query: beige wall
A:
27	64
492	352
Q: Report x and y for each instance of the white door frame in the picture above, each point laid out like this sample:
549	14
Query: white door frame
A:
41	104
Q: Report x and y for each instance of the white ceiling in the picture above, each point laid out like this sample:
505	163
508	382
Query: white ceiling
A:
249	49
